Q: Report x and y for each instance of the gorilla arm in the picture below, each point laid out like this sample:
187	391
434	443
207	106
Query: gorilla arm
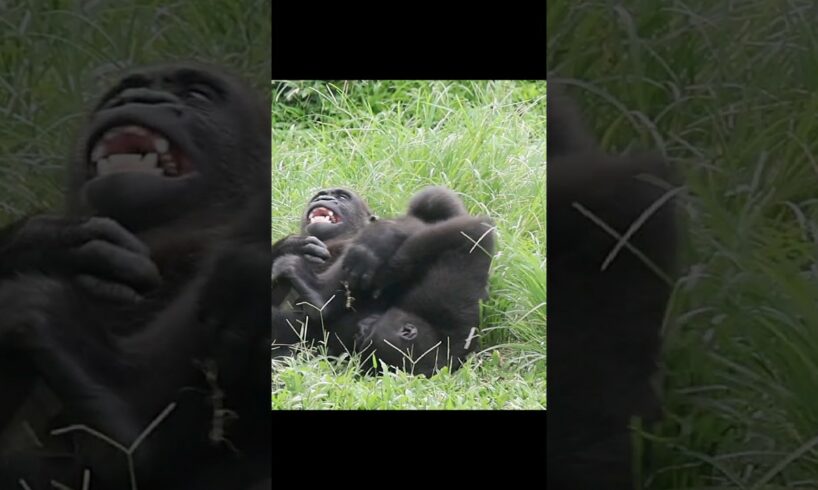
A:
310	247
377	243
120	390
468	234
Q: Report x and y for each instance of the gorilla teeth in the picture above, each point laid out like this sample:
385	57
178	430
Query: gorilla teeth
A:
129	162
125	160
325	216
147	142
150	159
169	165
161	145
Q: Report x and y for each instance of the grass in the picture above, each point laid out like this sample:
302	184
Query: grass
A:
485	140
727	90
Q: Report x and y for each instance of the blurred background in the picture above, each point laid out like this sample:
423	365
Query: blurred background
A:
727	91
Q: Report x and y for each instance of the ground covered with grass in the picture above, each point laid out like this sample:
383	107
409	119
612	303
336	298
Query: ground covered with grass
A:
728	91
386	140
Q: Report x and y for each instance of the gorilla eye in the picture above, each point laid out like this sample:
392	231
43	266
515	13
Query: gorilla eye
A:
408	331
200	93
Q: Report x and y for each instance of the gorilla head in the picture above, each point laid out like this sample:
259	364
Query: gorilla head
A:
404	340
163	143
335	213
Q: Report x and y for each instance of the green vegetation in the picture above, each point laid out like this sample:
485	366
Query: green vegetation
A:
728	91
485	140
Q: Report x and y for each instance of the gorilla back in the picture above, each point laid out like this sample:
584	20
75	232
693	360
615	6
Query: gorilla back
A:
105	304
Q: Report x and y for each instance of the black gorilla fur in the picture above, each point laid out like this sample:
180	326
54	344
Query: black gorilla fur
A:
603	338
406	289
153	289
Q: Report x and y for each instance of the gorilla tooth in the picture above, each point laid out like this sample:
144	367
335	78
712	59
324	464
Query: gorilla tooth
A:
125	160
98	152
128	162
170	168
150	159
161	145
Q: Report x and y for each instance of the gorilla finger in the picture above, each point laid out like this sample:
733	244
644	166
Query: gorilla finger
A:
284	266
105	259
316	250
109	230
314	241
315	260
108	290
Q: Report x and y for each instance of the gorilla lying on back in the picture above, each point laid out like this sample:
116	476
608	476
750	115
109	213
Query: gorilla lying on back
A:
604	318
406	290
119	308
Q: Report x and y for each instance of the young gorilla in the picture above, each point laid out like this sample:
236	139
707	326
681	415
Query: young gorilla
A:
406	290
604	323
117	308
322	241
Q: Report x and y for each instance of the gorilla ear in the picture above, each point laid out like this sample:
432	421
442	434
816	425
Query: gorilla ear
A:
409	331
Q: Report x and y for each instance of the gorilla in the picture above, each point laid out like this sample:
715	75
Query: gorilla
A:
606	307
149	296
406	290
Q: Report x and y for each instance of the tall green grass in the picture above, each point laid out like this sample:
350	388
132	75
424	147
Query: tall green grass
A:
485	140
727	90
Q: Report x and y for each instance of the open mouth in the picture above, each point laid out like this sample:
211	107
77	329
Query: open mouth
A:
135	148
320	214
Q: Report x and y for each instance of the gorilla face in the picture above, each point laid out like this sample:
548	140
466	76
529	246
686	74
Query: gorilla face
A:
404	340
163	141
334	213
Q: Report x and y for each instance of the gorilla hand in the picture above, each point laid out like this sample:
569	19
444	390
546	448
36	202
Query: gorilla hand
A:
371	250
293	269
310	247
104	258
